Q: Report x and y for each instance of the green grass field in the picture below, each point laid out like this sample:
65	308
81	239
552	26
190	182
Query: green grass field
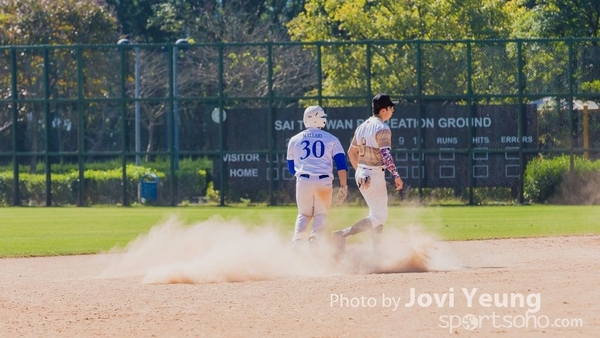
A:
65	231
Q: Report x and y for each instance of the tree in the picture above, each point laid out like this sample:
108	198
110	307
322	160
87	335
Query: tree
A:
560	19
133	19
555	18
353	20
394	27
164	21
51	22
245	66
206	24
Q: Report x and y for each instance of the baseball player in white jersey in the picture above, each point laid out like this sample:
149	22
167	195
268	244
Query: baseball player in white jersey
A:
310	156
370	155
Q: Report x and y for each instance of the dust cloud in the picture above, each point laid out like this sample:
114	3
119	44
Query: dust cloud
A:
574	190
219	251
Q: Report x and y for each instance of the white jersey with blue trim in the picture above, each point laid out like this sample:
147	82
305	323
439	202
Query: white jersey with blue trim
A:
312	151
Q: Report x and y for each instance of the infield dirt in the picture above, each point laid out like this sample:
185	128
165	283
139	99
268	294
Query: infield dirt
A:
222	279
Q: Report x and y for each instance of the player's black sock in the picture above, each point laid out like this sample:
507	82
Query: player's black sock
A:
360	226
376	235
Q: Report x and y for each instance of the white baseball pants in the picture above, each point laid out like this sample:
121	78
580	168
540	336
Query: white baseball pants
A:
313	198
376	195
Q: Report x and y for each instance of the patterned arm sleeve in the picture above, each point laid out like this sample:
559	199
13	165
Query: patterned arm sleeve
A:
388	161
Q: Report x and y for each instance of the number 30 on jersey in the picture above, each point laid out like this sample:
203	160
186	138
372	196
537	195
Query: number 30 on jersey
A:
316	149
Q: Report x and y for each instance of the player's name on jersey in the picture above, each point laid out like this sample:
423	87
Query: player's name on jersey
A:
313	135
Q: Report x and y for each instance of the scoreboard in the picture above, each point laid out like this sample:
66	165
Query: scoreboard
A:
434	145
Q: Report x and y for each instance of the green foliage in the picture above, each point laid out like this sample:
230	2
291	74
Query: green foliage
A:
553	126
542	176
451	196
159	164
555	18
491	195
212	195
32	22
55	22
399	20
393	64
103	183
165	21
551	180
32	188
592	86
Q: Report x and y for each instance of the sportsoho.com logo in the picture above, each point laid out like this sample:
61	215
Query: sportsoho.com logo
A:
471	322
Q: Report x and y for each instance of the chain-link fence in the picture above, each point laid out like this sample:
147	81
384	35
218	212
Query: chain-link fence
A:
83	124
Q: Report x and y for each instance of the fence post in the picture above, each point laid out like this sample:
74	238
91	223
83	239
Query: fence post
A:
586	132
48	123
572	125
271	123
80	129
15	118
421	104
221	127
319	74
369	65
124	128
521	87
171	123
472	112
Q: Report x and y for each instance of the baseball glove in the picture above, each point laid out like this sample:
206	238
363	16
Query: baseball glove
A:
364	182
341	194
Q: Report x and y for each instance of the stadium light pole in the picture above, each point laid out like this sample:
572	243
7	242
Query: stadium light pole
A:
137	103
179	42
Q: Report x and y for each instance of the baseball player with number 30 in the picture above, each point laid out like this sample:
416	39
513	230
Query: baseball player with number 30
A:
310	156
370	155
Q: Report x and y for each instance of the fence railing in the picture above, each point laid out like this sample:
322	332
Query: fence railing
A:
472	113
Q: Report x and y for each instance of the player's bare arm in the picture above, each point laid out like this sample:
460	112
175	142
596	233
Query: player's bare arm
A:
343	191
343	176
342	169
353	153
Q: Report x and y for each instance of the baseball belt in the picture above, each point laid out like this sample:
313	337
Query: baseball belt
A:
308	176
382	169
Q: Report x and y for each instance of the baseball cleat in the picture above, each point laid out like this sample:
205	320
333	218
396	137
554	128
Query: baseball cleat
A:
297	244
313	242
